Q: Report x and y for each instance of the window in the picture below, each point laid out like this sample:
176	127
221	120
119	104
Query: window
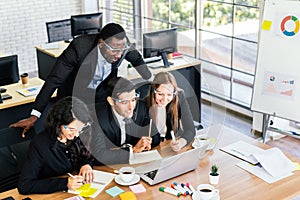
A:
223	34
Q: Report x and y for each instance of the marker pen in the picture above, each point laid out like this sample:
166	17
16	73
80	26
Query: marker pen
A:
186	188
173	136
179	188
191	187
170	191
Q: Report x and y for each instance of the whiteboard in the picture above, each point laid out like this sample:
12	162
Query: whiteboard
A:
277	77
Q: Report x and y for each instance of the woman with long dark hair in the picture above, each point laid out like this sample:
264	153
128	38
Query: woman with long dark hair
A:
58	150
170	111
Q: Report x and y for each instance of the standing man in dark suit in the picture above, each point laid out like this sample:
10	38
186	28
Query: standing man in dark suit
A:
85	67
124	125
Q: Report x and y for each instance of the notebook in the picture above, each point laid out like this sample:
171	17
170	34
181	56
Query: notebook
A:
169	167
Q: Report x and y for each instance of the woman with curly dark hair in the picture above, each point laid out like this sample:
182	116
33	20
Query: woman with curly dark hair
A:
59	150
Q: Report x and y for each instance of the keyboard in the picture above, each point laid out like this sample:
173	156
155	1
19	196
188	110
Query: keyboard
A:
152	59
151	174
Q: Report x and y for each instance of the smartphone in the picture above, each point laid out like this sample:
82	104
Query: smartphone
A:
6	96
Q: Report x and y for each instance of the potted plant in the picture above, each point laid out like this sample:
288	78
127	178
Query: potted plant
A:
214	175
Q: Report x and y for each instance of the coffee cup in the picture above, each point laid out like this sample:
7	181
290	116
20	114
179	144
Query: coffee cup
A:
169	56
127	173
24	78
201	140
206	191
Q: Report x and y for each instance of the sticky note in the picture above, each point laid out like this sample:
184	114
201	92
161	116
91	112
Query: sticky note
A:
297	166
114	191
86	190
266	25
127	196
138	188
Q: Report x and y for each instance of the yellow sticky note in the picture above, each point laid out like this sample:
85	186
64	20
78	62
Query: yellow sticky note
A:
297	166
266	25
86	190
127	196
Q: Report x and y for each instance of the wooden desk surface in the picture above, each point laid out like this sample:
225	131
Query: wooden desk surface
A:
54	52
17	98
235	183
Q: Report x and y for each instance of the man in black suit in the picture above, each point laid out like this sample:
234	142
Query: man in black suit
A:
124	125
85	67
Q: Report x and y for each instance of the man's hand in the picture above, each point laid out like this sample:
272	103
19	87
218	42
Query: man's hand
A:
178	145
143	144
26	124
87	173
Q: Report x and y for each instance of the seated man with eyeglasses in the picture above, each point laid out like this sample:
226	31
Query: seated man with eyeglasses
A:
123	127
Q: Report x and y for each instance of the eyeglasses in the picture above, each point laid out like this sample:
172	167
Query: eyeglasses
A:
80	130
116	50
171	95
125	101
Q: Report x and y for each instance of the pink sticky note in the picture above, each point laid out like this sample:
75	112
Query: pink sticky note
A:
138	188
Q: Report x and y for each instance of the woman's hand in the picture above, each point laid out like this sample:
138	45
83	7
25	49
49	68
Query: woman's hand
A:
75	182
178	145
87	173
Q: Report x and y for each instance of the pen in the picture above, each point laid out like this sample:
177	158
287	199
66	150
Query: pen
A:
180	189
170	191
186	188
71	175
173	136
150	125
191	187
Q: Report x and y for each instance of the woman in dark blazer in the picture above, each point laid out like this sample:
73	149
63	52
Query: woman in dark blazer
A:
170	110
58	150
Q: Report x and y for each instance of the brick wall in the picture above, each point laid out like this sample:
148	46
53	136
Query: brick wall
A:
23	26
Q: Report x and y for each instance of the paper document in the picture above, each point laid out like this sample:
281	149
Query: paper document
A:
144	157
260	172
52	45
30	91
101	180
275	162
243	151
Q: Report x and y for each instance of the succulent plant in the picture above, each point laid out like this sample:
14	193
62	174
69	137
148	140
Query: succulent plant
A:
214	170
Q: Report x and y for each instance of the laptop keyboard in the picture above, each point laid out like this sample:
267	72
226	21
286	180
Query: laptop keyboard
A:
151	174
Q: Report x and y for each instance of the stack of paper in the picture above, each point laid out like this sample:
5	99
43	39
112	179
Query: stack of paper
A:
101	180
270	165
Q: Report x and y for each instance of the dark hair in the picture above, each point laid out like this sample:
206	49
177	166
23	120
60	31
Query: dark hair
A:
118	85
63	112
112	30
167	78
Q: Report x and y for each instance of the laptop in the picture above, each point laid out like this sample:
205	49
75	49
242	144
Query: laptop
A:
169	167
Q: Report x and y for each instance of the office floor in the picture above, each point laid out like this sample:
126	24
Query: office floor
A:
212	114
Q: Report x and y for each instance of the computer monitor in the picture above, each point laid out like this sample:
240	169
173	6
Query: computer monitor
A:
86	24
59	30
160	43
9	70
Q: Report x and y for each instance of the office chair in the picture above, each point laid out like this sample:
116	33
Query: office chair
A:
9	70
13	151
59	30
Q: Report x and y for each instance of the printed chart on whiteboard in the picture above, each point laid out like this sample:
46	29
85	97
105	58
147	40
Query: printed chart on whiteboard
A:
276	88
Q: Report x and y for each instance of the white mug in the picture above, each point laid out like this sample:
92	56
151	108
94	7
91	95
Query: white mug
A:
127	173
206	191
201	140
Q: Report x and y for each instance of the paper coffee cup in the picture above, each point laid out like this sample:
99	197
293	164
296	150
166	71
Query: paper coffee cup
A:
24	78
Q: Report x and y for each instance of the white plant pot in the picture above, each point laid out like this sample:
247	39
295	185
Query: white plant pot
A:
214	180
